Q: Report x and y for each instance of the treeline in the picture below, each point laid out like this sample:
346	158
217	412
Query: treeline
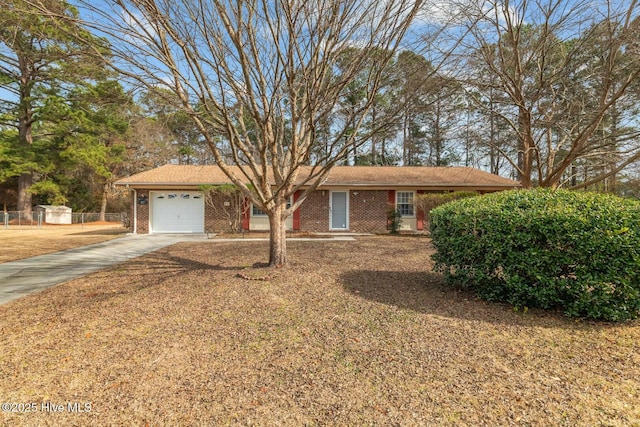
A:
68	127
546	93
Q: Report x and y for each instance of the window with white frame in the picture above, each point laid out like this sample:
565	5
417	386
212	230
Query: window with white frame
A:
256	211
404	203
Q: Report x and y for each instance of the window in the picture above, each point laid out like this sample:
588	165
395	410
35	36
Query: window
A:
404	203
256	211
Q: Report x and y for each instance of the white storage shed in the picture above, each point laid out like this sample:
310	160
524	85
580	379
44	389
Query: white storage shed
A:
55	214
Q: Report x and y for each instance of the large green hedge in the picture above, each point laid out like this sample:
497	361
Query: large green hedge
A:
541	248
429	201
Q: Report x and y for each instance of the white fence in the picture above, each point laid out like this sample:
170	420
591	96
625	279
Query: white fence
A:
12	219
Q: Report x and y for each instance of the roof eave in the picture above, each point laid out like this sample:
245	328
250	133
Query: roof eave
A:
449	186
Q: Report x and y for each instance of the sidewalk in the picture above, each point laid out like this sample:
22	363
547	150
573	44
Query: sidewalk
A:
19	278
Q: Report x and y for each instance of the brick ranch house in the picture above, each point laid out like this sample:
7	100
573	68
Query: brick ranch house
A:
169	199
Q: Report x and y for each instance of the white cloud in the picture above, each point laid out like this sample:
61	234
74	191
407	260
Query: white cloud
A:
140	29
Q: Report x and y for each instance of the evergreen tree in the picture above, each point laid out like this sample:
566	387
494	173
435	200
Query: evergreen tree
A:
39	61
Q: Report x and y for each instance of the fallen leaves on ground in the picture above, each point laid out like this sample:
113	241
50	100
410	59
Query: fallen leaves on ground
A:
25	242
350	333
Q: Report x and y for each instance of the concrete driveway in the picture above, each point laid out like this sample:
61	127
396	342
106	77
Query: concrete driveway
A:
19	278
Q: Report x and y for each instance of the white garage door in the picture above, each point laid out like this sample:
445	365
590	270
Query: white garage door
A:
177	212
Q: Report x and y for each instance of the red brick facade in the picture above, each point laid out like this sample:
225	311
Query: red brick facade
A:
314	212
367	212
223	213
142	208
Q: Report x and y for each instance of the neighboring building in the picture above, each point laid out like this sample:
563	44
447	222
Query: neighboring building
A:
353	198
55	214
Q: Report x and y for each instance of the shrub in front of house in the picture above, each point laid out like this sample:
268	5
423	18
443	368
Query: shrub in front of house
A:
576	251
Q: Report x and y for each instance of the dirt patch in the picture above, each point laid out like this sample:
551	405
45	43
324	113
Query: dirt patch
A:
18	243
351	333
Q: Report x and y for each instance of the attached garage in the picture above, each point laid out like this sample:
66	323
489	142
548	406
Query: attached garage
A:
177	212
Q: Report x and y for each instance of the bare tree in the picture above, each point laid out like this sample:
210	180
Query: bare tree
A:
561	66
262	73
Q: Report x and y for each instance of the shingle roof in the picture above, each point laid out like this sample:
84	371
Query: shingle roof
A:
340	176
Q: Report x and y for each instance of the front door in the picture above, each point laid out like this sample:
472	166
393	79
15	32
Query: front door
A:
339	210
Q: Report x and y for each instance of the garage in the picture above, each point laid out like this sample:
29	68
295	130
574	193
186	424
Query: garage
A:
177	212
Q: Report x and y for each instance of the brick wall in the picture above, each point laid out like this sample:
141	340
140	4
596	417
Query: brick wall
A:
368	211
314	212
143	212
221	218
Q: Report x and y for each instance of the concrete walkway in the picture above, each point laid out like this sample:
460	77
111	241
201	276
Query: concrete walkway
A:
19	278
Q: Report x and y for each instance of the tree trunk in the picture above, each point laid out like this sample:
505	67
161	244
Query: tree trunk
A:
277	235
493	138
103	203
25	198
373	137
436	133
25	137
525	155
406	135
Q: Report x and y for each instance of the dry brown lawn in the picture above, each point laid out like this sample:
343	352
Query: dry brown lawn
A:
352	333
24	242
